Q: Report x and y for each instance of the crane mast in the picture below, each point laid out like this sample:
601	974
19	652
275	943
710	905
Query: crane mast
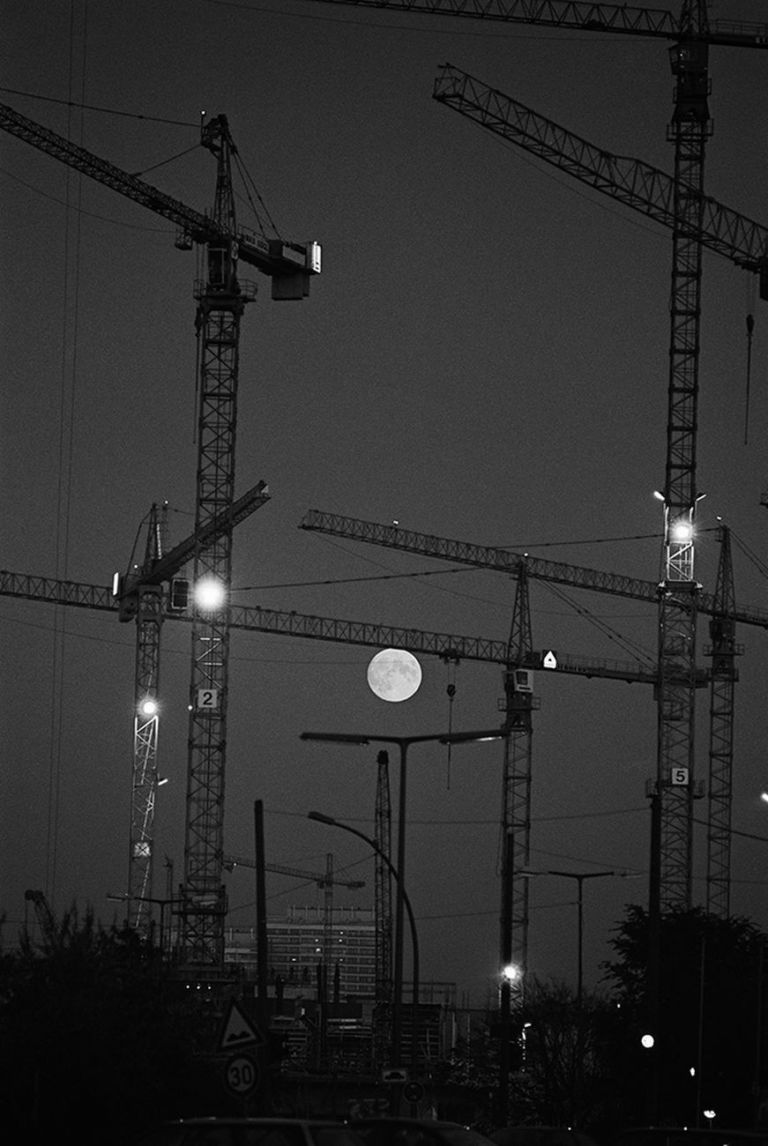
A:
723	649
221	303
149	623
517	775
675	776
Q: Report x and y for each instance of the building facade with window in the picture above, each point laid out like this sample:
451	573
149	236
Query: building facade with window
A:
297	949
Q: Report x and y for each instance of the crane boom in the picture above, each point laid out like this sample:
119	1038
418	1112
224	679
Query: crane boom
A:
638	185
322	880
171	562
271	256
310	626
506	561
574	15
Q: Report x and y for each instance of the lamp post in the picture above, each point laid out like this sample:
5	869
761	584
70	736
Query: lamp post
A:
322	819
580	877
403	744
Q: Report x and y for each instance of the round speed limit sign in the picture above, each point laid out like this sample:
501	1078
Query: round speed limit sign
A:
242	1074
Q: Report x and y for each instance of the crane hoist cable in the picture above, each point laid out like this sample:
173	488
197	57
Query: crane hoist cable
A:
450	691
750	330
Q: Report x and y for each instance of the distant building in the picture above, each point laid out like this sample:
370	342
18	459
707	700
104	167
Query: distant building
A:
295	951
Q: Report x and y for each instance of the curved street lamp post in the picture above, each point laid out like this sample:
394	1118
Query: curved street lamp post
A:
322	819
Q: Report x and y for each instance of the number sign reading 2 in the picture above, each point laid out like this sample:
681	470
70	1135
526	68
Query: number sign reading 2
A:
207	698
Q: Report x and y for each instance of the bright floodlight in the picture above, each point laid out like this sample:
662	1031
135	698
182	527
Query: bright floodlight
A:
647	1041
209	593
148	707
764	797
510	973
682	531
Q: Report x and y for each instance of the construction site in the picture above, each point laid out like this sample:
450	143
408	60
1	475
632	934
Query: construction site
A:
338	348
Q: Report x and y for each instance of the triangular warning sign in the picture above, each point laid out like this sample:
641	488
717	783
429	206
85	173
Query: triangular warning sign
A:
238	1030
549	660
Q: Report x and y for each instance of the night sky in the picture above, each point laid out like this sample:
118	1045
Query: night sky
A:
485	357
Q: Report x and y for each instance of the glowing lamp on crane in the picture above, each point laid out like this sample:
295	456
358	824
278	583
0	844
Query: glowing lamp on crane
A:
148	707
681	531
209	594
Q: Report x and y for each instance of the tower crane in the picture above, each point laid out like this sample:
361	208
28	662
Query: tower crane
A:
141	593
221	302
691	34
653	193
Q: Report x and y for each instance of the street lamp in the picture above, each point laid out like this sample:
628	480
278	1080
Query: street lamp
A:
580	877
322	819
403	744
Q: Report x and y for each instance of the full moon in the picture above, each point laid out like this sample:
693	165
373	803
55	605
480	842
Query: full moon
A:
394	674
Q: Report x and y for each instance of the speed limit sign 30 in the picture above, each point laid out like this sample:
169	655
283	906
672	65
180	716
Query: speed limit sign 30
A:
242	1074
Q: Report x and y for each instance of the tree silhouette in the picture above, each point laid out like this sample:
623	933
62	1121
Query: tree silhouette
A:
91	1038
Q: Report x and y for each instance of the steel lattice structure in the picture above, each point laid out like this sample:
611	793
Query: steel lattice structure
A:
221	300
723	650
516	781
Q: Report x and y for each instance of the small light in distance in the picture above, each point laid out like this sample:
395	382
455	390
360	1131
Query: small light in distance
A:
510	973
209	593
148	707
647	1041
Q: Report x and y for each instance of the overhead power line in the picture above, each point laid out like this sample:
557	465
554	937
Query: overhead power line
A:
104	110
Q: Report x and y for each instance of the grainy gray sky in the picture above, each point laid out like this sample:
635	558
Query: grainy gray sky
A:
484	358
